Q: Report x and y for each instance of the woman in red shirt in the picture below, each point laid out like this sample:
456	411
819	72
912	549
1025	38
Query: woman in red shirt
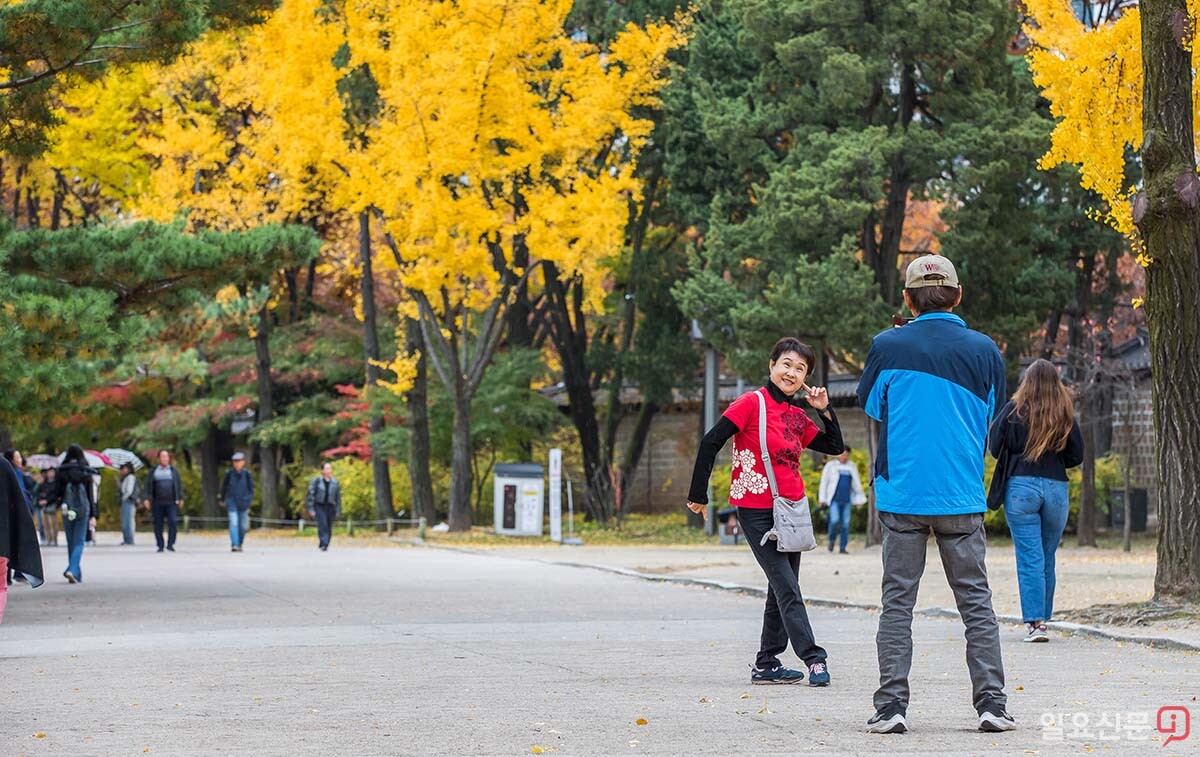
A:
789	432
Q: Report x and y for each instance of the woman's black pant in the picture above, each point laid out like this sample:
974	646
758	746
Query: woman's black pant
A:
785	617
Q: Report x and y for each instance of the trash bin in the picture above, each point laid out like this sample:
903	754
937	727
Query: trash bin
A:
1137	509
519	499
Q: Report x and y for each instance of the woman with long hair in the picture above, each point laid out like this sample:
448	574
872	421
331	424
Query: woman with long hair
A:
1042	437
788	432
79	511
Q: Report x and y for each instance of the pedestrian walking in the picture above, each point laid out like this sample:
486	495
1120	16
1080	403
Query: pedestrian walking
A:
75	490
237	493
934	385
163	489
1035	439
129	493
324	501
47	507
19	550
841	489
757	476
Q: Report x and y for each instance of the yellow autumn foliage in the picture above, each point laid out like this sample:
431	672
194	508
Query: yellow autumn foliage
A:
1093	80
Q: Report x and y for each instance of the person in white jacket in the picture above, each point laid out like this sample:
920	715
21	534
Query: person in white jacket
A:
841	488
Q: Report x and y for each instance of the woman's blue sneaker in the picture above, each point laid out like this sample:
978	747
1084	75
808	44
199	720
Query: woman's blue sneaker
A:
818	674
776	675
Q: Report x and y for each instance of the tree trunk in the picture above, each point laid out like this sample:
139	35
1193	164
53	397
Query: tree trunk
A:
269	469
1170	225
379	462
418	422
633	455
460	465
210	485
1086	526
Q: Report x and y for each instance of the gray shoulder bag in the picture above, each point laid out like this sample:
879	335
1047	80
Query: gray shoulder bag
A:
793	531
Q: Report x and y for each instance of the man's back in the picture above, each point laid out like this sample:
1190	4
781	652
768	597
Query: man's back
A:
934	385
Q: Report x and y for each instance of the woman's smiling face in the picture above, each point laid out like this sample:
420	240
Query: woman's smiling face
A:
789	372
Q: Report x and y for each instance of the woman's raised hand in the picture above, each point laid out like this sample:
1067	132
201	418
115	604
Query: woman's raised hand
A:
818	398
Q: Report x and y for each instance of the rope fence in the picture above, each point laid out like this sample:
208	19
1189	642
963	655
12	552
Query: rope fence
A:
390	524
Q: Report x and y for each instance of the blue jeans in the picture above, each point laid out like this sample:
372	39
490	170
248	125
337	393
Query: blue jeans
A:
1036	509
76	531
839	520
239	524
128	521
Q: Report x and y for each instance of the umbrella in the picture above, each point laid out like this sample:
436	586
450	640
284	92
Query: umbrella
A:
119	457
94	459
41	462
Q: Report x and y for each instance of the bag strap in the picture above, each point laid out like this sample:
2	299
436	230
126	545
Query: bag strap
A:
762	444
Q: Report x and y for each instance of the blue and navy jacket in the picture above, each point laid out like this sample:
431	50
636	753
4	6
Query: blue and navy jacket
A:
934	385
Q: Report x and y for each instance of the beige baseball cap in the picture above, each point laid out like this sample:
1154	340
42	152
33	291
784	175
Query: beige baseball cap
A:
930	271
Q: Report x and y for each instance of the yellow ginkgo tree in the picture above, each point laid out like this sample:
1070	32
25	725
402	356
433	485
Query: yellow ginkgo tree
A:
501	148
1120	77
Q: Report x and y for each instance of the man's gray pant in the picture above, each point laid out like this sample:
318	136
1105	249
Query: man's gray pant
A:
961	542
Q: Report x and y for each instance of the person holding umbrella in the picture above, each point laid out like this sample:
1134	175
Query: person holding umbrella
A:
164	495
47	506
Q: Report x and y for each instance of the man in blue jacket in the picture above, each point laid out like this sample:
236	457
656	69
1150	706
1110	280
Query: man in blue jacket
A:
237	492
934	386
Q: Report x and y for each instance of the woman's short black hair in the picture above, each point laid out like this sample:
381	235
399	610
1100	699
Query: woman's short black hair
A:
792	344
10	454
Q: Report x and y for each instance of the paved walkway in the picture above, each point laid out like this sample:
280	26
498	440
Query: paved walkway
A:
283	650
1086	576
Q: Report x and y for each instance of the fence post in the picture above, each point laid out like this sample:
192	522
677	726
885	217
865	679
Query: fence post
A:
349	526
391	525
421	524
187	522
300	526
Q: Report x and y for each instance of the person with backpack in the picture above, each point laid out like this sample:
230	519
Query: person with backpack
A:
1035	439
19	550
79	511
934	385
770	430
237	494
163	492
324	502
129	494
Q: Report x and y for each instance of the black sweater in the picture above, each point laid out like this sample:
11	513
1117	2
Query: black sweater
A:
828	441
1009	430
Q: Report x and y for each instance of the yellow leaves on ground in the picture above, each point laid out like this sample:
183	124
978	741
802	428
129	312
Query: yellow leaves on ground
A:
1093	79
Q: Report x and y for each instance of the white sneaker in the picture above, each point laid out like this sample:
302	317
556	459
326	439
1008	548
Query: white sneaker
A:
995	722
1036	633
889	724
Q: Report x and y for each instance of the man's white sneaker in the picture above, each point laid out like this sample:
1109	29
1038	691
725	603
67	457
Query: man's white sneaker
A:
881	723
995	722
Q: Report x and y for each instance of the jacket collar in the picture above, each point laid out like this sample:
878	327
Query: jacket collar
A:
777	394
939	316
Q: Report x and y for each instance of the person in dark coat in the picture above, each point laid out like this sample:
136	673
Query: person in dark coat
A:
164	496
324	500
47	507
237	493
76	491
19	548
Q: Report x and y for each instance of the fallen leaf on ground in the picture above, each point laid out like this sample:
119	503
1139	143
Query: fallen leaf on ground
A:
1020	688
39	735
704	700
745	696
641	721
537	749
